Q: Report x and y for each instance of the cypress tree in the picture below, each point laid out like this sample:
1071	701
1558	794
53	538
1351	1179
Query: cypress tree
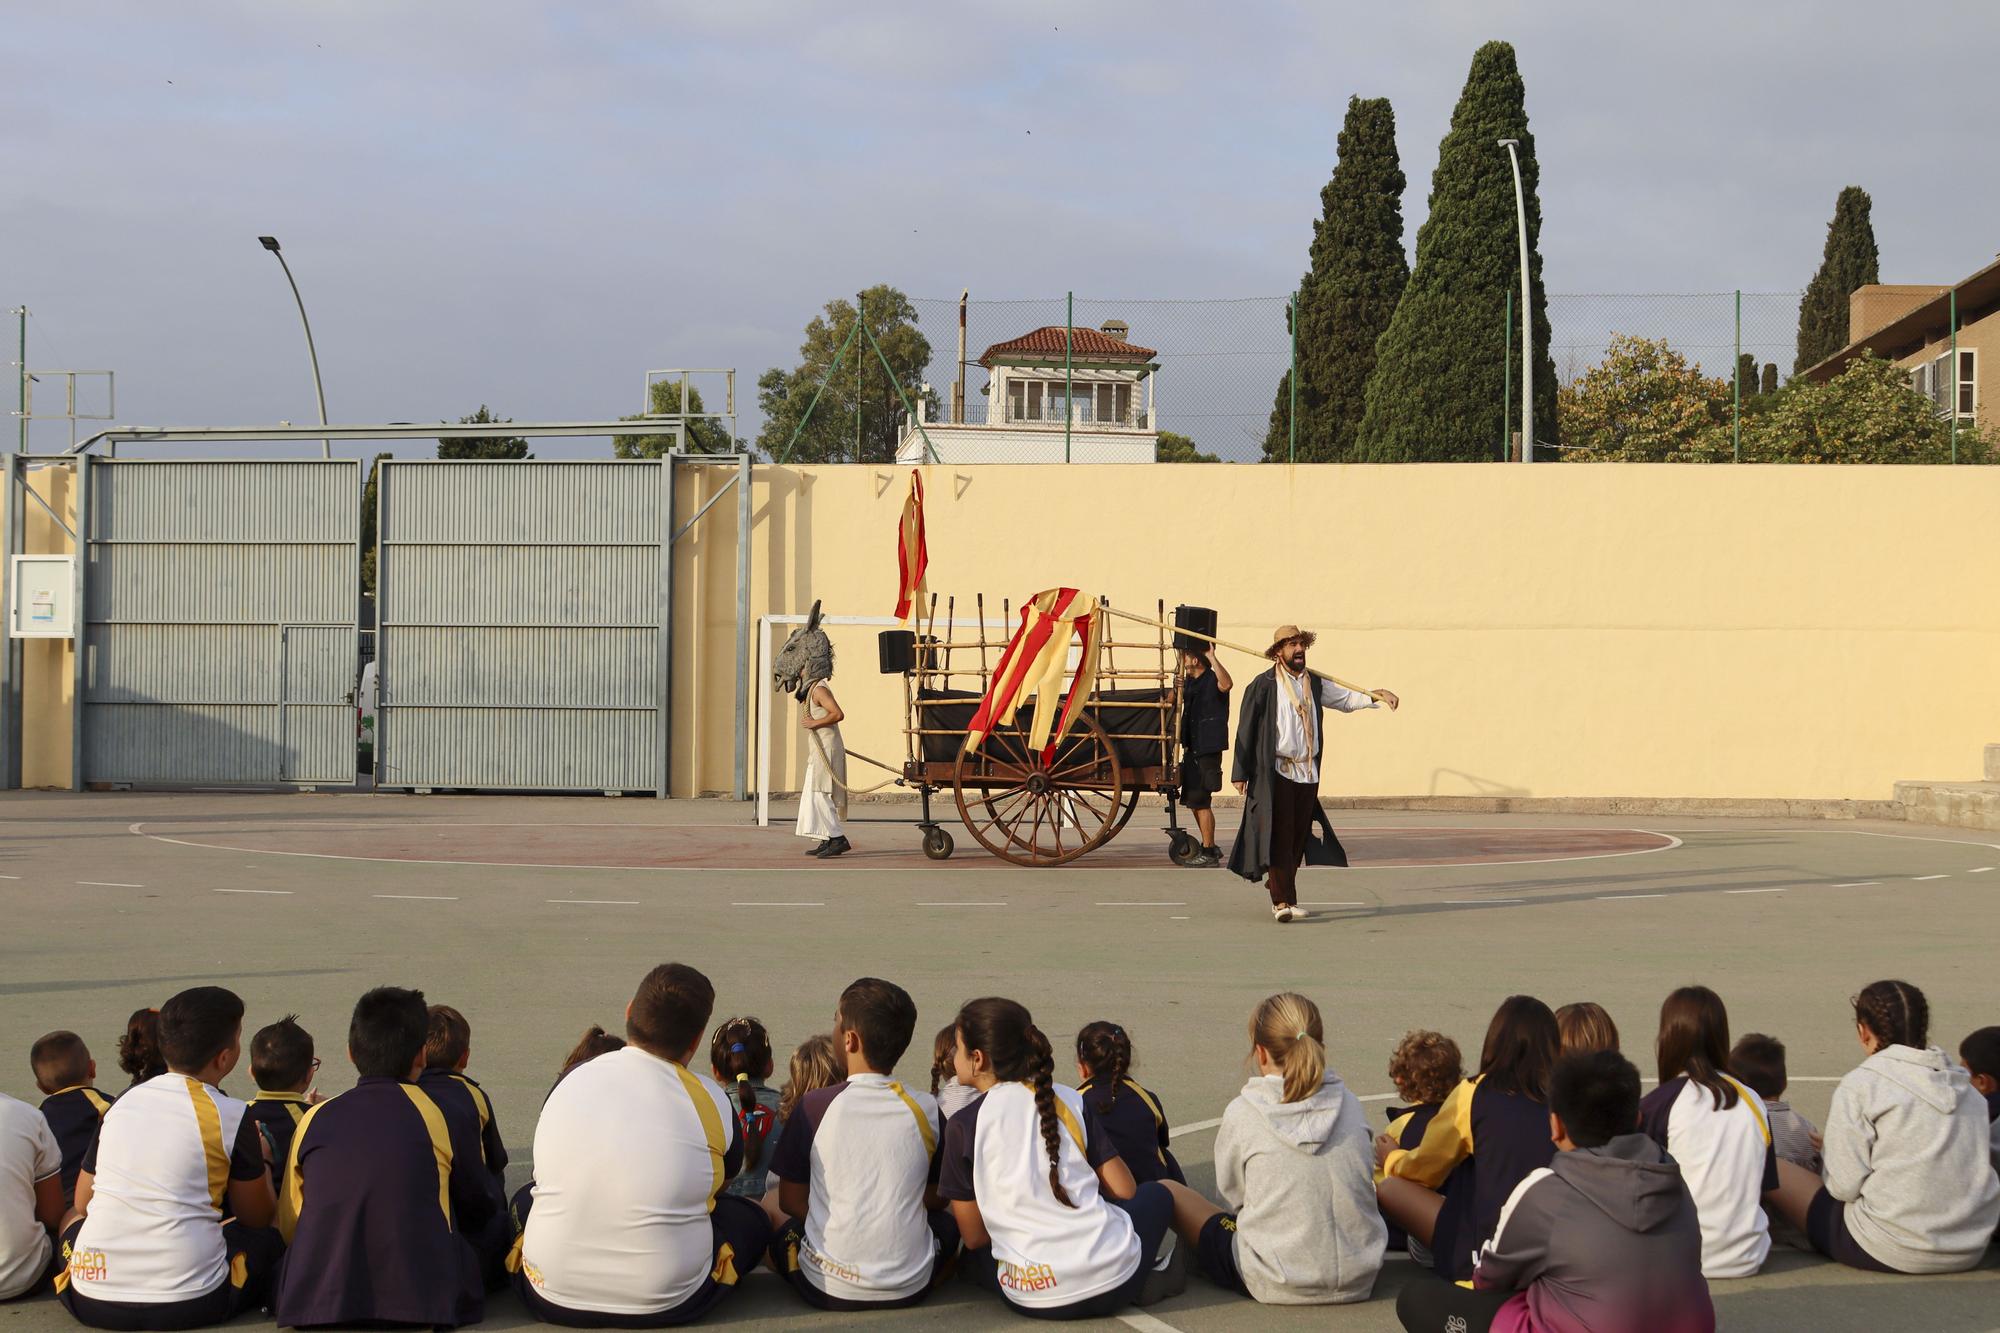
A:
1770	383
1850	261
1436	394
1746	373
1356	274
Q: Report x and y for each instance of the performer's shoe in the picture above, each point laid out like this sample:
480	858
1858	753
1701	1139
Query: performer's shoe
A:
834	847
1281	913
1301	914
819	848
1210	856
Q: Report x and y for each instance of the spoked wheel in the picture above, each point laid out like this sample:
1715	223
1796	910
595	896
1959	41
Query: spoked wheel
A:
1125	815
1037	814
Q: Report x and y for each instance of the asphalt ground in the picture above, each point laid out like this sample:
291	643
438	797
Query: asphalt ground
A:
536	917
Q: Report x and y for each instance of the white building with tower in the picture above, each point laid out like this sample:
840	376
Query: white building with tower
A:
1053	395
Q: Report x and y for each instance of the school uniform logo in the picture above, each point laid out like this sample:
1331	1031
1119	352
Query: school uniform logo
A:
88	1266
1034	1277
831	1267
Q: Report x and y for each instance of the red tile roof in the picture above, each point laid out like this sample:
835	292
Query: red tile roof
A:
1046	343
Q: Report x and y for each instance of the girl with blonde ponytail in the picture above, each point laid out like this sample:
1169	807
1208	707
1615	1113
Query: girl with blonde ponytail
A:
1050	1215
1292	1161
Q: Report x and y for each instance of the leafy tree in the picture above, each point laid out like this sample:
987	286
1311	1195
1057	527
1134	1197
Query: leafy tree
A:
1746	373
1176	448
484	446
1770	384
368	494
857	391
1437	391
1850	261
1866	414
704	435
1357	273
1644	403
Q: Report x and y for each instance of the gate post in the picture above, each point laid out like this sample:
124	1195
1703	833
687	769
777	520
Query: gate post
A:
80	645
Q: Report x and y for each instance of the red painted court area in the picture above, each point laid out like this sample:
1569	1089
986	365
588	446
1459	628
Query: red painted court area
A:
878	846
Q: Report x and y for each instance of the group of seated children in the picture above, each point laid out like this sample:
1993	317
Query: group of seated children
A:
1543	1191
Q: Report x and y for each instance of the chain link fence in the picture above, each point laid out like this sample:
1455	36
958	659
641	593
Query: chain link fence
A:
1088	378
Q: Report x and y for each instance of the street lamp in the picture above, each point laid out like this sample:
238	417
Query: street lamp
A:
1527	317
271	243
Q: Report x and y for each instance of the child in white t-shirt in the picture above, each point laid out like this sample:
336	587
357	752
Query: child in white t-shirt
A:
855	1167
1050	1215
147	1244
31	1202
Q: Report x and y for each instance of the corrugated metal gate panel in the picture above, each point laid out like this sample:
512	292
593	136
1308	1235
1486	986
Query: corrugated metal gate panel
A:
520	638
219	608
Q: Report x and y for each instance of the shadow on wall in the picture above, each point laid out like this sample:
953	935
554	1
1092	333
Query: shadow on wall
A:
1479	786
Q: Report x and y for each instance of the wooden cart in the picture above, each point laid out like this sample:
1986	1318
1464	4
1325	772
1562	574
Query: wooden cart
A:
1024	807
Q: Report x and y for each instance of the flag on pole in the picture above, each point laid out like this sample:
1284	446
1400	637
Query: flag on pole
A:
1035	662
912	558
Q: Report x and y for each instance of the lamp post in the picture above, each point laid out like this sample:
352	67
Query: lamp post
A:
271	243
1527	312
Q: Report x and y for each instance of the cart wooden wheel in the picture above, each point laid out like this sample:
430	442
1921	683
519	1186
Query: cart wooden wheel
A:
988	811
1041	815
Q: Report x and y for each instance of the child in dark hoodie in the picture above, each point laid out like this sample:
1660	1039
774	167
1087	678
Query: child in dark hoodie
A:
1604	1239
1293	1159
1910	1186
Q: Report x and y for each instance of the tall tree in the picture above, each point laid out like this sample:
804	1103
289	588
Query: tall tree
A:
368	493
1357	273
1770	381
858	417
484	446
1746	373
1441	368
1173	447
1850	261
705	435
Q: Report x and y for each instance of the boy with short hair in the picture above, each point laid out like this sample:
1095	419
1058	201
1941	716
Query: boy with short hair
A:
624	1227
857	1168
147	1244
1602	1240
71	1102
475	1134
1980	1054
283	1065
1758	1062
31	1203
375	1200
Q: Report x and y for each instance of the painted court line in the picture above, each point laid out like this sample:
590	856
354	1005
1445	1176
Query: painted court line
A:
595	902
1976	870
276	892
1146	1323
1933	876
1753	890
415	897
1624	897
1859	884
107	884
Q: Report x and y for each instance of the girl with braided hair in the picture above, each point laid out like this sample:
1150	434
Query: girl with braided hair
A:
1909	1186
739	1055
1050	1215
1132	1115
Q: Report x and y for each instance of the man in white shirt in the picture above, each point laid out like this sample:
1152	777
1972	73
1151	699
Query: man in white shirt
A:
1276	766
625	1228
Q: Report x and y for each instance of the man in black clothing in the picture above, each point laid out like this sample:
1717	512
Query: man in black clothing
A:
1205	687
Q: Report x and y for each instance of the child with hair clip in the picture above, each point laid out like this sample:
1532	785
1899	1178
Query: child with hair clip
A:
1131	1115
1292	1159
952	1096
1050	1215
139	1049
817	1063
739	1054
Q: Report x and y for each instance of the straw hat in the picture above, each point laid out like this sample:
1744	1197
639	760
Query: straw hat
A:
1284	632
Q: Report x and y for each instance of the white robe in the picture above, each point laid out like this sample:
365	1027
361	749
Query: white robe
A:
822	799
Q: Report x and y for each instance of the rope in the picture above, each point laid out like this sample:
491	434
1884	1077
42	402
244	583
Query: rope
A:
1224	643
840	782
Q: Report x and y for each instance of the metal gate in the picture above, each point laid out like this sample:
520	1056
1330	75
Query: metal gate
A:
219	621
522	613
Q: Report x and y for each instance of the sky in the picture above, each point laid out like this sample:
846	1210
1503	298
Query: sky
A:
528	206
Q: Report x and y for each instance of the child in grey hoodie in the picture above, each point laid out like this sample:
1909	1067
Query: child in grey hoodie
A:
1294	1158
1909	1184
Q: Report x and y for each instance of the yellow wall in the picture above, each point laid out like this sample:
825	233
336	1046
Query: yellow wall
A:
47	664
1651	631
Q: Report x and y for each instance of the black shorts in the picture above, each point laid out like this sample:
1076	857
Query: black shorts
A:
741	1234
1152	1212
254	1255
785	1263
1215	1248
1826	1229
1201	779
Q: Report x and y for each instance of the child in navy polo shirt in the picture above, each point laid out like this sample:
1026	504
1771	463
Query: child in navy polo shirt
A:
1130	1114
377	1202
475	1132
71	1102
856	1169
282	1062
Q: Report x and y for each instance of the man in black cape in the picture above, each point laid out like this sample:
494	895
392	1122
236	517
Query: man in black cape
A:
1279	740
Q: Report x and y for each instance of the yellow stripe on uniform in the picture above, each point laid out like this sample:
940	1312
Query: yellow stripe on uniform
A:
98	1101
208	1118
923	1121
1743	1092
292	1194
1068	1118
1159	1116
440	1143
484	1106
711	1128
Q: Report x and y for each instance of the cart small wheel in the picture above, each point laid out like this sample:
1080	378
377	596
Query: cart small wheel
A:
938	845
1183	849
